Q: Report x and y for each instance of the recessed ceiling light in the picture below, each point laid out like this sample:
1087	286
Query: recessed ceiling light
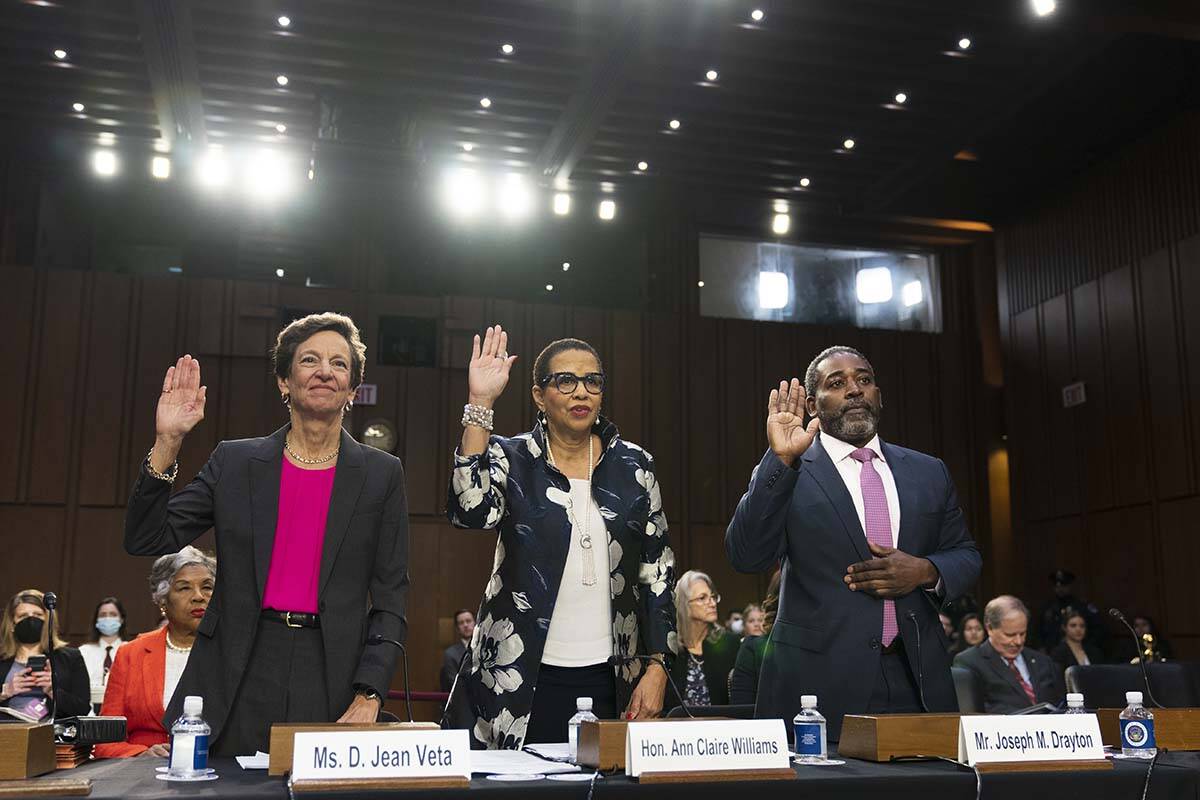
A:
507	49
780	206
60	54
712	75
781	224
566	266
284	21
1044	7
673	124
468	147
805	182
279	273
964	43
642	166
848	144
549	287
282	80
757	15
104	162
901	98
80	107
281	128
562	204
486	102
700	284
160	167
607	210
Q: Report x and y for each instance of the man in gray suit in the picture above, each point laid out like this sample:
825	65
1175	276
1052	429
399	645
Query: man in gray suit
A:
872	541
1011	675
464	625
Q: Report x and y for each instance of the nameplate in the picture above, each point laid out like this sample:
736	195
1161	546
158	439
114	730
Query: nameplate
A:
705	746
986	739
381	754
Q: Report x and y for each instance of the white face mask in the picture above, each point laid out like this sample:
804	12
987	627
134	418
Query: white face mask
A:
108	626
737	626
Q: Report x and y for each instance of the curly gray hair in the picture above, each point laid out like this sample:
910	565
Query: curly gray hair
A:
167	567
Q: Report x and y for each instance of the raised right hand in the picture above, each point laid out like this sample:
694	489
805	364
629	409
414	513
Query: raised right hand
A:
181	404
487	374
786	433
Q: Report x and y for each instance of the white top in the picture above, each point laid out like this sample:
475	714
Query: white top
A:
93	656
851	470
176	661
581	626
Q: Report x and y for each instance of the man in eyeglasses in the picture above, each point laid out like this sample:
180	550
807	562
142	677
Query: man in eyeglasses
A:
872	541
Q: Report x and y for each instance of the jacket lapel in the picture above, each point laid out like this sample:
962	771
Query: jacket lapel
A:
347	486
1000	666
821	467
154	672
266	466
906	489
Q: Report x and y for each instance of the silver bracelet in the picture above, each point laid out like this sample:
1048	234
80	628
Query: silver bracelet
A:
478	416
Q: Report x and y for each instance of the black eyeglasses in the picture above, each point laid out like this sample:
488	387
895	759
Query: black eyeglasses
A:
566	382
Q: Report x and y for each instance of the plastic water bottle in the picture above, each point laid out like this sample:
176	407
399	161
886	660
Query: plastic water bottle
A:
1075	703
583	712
189	741
1137	728
809	727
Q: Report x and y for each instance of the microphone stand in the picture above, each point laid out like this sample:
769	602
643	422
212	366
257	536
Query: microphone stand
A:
50	599
912	616
617	661
450	697
1116	612
378	639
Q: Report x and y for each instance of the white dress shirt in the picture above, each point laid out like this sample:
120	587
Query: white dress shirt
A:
93	658
851	472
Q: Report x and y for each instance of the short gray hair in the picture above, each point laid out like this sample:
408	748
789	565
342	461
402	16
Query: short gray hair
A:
1000	607
167	567
810	374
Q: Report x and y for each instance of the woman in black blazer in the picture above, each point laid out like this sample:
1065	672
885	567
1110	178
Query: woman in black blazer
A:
309	524
707	652
1073	650
24	633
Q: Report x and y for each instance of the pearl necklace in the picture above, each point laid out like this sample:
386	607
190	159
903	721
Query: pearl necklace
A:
287	446
585	538
172	646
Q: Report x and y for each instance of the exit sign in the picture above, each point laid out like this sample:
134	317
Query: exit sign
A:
366	394
1074	394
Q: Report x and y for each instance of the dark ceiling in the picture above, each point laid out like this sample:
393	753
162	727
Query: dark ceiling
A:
592	85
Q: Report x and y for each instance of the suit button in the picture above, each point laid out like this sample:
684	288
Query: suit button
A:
874	644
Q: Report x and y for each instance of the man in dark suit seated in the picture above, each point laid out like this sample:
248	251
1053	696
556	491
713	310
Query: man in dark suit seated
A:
464	625
1012	675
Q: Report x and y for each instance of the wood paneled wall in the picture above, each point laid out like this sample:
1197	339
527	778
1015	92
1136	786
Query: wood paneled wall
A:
1102	286
85	353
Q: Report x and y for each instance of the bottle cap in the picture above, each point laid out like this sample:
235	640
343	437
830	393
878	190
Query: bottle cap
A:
808	701
1074	699
193	705
583	704
1133	697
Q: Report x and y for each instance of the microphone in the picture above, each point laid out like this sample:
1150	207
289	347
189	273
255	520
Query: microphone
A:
616	661
378	639
1116	612
912	615
50	600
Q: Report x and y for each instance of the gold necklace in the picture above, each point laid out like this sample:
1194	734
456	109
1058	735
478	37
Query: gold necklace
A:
287	446
172	646
585	538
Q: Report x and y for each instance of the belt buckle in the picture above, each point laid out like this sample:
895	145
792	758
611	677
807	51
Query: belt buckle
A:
287	620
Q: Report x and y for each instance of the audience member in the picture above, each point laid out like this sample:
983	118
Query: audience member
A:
1050	625
970	633
735	623
948	629
464	628
105	638
1159	648
146	672
1011	675
24	634
753	618
707	653
1073	650
743	680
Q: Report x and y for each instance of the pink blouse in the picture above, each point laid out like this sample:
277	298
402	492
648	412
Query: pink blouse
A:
299	536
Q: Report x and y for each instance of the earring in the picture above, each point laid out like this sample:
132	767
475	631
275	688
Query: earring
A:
287	399
349	405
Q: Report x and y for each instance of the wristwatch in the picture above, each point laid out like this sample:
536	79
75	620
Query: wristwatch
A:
362	690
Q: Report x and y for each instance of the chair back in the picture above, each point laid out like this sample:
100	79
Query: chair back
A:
1105	685
970	693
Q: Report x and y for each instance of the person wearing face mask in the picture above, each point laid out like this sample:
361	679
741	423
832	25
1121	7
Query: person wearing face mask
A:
311	531
147	670
104	640
33	693
583	573
735	623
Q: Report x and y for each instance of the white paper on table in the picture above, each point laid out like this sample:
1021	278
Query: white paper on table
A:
502	762
555	752
259	760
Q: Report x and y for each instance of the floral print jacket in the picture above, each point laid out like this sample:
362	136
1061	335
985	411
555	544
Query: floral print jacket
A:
511	487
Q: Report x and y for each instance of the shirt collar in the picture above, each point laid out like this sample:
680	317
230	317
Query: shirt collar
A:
839	450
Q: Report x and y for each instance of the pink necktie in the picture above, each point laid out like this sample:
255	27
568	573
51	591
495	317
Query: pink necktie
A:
1025	687
879	527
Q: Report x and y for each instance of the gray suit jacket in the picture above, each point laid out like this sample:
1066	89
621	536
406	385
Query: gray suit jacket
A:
1002	693
825	640
365	551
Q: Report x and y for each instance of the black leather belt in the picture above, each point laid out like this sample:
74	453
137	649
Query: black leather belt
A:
293	619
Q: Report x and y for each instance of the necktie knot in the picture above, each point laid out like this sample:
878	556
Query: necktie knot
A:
863	454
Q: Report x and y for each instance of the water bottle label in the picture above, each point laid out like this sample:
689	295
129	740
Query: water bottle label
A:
200	753
182	752
808	739
1137	733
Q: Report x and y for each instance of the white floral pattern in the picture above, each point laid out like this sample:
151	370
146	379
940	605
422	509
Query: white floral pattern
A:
616	578
658	575
494	647
505	732
625	637
495	583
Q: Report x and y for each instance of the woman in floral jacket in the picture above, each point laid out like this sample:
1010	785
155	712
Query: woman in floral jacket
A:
583	574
